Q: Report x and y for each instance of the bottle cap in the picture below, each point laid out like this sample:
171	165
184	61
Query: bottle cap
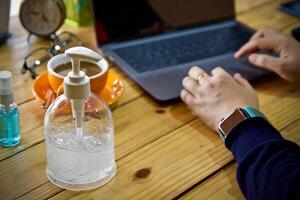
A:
6	88
6	83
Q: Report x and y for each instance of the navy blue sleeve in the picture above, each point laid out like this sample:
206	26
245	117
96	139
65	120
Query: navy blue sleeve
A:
268	165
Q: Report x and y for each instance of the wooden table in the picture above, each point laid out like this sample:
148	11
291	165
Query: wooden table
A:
161	152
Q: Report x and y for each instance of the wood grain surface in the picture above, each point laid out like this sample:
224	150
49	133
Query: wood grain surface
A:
162	152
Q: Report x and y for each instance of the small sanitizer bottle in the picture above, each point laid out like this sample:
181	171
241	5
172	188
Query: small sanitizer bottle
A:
9	112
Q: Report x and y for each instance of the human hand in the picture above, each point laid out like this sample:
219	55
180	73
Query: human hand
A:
215	97
287	65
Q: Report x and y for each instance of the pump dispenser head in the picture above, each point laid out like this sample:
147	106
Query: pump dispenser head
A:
6	88
77	84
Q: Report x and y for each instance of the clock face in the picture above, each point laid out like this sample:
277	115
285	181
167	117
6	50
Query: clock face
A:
42	17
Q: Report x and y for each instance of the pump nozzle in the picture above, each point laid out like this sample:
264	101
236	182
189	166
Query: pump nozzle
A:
77	84
6	90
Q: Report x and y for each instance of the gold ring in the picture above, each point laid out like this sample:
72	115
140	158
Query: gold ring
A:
201	76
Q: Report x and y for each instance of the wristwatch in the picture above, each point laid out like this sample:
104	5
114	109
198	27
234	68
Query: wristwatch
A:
238	115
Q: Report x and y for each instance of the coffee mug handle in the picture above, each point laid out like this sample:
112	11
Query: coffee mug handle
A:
50	96
60	90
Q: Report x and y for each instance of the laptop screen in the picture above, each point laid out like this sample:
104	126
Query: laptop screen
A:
127	19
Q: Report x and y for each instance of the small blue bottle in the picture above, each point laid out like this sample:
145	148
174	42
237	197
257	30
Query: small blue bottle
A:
9	112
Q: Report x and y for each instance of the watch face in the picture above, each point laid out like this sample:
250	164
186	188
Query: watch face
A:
41	17
231	121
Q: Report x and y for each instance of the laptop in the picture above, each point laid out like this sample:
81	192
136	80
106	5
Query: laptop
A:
155	42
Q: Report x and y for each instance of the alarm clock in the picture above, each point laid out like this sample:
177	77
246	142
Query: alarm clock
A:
42	17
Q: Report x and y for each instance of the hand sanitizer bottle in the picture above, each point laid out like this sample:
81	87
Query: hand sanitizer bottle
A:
79	132
9	112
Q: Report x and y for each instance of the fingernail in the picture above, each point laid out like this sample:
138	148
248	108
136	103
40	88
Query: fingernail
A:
252	57
237	75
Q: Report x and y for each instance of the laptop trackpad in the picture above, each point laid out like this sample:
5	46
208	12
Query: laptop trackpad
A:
163	85
230	64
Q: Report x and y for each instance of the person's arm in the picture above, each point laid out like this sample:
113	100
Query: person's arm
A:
268	165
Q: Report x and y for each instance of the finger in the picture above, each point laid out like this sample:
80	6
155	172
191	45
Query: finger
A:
266	61
190	85
187	97
196	72
264	32
257	34
219	71
243	82
199	75
259	43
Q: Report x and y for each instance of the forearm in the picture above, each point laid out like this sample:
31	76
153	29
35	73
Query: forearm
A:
268	165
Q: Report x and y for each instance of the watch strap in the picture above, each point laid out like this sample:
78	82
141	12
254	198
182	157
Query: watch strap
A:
252	112
234	119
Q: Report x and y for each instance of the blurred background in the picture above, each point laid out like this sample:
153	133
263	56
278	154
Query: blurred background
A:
14	7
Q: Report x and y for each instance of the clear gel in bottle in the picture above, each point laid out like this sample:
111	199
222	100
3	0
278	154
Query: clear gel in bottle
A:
9	112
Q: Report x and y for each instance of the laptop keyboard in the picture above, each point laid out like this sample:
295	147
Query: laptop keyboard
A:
168	52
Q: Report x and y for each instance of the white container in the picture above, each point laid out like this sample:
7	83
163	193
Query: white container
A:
79	133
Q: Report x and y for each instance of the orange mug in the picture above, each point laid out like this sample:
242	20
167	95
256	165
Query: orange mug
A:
56	79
